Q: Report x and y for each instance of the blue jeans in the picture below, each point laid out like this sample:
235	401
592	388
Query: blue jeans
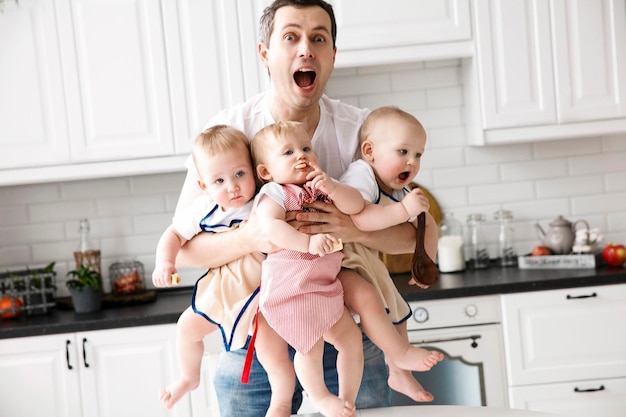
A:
252	400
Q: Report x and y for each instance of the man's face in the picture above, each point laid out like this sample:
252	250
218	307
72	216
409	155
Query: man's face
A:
300	56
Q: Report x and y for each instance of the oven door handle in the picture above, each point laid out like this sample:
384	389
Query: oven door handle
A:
451	339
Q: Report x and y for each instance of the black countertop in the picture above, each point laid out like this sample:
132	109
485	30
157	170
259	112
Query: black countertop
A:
170	304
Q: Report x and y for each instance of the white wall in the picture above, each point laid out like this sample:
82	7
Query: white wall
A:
579	179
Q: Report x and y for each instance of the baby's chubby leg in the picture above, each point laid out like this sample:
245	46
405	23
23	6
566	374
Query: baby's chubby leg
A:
361	297
346	337
272	352
190	332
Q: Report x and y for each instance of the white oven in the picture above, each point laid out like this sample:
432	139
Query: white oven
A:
468	332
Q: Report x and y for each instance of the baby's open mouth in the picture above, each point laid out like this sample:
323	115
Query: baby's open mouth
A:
301	165
403	176
304	78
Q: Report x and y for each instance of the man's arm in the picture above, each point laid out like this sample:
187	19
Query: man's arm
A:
393	240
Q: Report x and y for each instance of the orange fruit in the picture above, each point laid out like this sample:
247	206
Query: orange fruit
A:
5	306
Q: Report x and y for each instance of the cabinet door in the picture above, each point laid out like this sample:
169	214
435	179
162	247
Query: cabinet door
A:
39	376
574	399
565	335
117	85
590	59
514	63
33	113
123	371
378	32
204	56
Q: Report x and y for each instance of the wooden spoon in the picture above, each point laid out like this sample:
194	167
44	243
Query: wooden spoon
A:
424	272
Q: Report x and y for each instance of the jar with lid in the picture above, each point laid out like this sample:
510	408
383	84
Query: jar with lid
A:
478	253
450	252
506	253
127	277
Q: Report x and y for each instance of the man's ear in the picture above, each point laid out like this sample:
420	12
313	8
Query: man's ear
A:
262	50
263	173
367	151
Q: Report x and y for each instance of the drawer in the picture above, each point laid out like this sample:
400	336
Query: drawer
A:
573	399
565	335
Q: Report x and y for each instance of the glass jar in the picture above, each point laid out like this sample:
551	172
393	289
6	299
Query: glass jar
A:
127	277
478	253
450	252
506	253
87	253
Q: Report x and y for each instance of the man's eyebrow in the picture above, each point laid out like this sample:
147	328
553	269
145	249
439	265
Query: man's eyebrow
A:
320	28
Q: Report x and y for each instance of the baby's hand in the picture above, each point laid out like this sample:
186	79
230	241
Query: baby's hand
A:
162	276
319	180
322	244
415	202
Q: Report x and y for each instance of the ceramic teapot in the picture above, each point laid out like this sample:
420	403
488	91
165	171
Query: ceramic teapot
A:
560	236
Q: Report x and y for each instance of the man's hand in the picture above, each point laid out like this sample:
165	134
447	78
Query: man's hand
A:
256	237
327	219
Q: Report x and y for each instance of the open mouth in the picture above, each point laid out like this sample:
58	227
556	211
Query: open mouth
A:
301	165
404	176
304	78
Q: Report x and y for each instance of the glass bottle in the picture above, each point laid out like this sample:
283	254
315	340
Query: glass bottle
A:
506	253
87	253
450	252
478	254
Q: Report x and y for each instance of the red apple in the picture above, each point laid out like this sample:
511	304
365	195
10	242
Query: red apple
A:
614	254
541	251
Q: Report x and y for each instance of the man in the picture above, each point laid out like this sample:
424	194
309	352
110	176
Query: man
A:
297	47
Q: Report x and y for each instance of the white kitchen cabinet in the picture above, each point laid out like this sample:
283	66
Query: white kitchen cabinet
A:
394	31
104	373
546	70
99	88
566	347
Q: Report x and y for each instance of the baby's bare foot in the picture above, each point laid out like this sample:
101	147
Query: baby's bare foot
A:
403	381
418	359
332	406
174	392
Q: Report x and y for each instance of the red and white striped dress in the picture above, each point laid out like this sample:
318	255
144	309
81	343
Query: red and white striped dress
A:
301	297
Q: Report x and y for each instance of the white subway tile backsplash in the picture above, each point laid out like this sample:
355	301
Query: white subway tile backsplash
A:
94	189
616	181
533	170
62	211
466	175
569	186
500	193
142	204
582	178
598	164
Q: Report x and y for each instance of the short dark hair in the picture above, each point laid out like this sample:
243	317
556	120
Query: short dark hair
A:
266	23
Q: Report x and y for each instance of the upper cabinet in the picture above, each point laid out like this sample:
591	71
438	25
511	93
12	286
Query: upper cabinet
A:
394	31
546	70
119	85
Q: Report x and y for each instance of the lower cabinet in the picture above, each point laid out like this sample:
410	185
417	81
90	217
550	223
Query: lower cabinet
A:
103	373
566	350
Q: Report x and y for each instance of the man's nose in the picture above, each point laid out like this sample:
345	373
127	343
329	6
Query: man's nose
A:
305	49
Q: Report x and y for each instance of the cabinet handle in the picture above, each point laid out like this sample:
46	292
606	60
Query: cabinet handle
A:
576	297
85	353
67	354
600	388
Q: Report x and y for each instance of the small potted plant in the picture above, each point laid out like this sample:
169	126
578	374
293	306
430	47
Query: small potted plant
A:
85	289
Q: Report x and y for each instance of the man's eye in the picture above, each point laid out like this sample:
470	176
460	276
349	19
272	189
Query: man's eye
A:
289	37
319	39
